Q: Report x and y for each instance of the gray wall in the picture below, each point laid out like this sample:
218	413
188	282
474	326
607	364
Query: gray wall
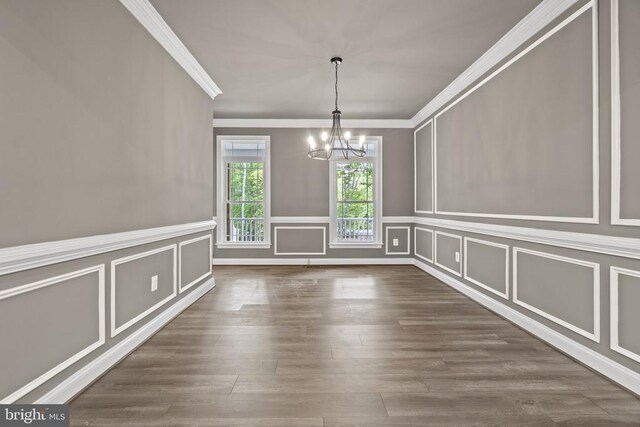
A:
530	151
300	186
101	131
521	144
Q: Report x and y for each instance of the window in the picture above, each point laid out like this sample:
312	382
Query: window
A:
243	191
356	198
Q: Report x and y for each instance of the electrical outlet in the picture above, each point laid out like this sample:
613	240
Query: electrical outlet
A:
395	242
457	256
154	283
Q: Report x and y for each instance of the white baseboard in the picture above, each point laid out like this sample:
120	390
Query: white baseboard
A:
312	261
83	378
607	367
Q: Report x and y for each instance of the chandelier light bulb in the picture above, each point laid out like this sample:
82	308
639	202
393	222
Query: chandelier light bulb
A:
324	136
361	139
327	147
312	142
347	135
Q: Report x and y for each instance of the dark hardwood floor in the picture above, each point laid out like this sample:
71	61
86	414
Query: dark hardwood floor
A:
346	346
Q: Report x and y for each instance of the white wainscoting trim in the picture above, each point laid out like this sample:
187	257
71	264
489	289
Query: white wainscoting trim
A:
595	335
505	294
313	123
116	330
300	219
610	245
100	269
324	239
607	367
415	168
415	246
614	274
312	261
397	219
616	142
150	19
529	26
182	288
19	258
595	150
435	252
388	244
83	378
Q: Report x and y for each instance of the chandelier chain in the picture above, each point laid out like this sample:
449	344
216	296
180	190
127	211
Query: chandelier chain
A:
336	85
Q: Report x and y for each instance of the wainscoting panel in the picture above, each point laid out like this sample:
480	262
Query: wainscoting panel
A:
625	103
561	289
423	168
300	240
448	252
47	326
625	316
132	285
403	235
502	149
486	264
423	243
194	261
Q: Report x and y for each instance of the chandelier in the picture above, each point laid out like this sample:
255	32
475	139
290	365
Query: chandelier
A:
336	143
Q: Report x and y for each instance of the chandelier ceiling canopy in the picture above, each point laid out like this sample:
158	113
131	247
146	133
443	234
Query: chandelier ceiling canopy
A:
336	144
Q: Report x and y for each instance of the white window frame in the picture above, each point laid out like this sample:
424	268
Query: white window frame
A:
221	182
377	194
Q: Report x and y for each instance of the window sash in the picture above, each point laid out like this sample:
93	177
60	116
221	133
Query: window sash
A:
354	230
243	229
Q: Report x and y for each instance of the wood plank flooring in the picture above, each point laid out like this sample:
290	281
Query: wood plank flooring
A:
346	346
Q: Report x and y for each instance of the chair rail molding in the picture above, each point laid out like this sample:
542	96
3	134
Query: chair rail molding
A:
150	19
19	258
610	245
530	25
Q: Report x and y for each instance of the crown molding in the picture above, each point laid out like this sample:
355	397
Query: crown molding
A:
312	123
530	25
150	19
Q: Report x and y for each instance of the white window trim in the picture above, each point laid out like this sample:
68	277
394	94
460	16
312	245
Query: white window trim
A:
377	191
220	191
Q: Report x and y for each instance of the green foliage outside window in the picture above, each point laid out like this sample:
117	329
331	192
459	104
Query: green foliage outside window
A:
246	199
354	192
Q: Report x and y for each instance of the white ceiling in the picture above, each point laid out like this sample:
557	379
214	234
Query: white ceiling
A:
271	57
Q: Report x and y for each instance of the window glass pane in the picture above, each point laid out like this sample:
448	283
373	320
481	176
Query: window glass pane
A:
246	181
354	181
243	149
355	210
